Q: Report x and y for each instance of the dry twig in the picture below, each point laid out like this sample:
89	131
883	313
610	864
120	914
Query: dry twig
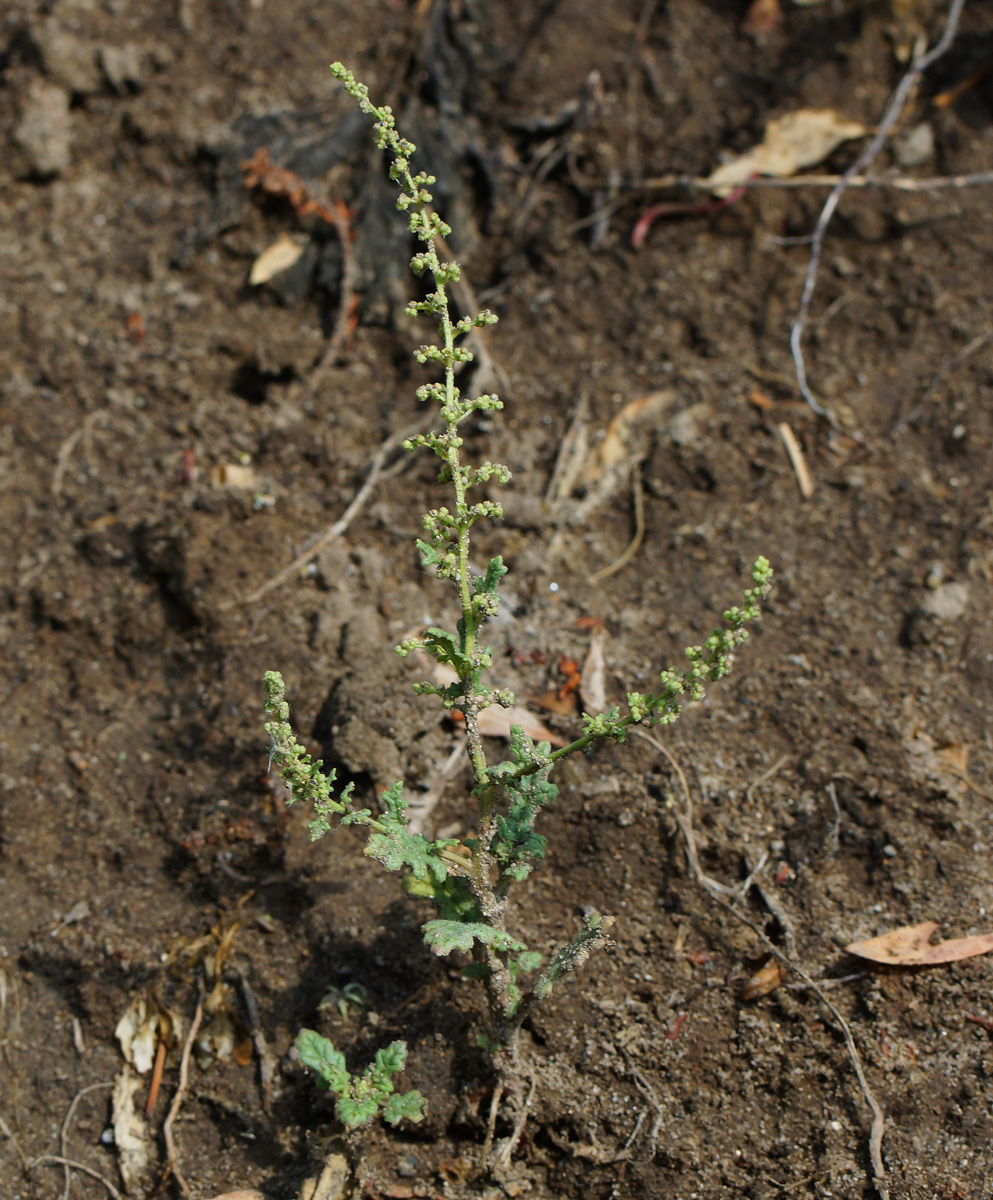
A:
177	1100
56	1160
684	820
64	1134
68	445
891	115
771	773
953	364
639	530
376	473
889	179
797	460
267	1060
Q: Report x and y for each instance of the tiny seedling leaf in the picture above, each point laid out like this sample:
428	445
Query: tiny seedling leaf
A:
353	1113
391	1058
406	1107
319	1054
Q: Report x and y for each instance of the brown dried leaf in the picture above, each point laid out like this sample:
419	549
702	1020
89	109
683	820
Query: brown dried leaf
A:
564	706
142	1024
911	946
130	1131
593	684
954	755
765	980
800	139
274	259
496	722
762	17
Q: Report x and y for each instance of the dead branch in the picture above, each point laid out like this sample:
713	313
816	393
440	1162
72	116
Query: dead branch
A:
64	1133
376	473
684	821
268	1065
895	180
56	1160
639	530
890	116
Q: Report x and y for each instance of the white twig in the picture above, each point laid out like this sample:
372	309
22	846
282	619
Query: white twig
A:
797	461
64	1135
376	472
878	1119
890	117
56	1160
888	179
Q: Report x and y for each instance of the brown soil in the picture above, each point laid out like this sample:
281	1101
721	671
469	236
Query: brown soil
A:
137	362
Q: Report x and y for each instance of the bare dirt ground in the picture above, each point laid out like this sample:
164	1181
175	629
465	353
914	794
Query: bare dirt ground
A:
164	453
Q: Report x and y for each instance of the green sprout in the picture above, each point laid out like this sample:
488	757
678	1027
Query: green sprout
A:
361	1097
352	995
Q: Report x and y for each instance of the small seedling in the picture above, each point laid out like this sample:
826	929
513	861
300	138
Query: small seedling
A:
352	995
361	1097
469	882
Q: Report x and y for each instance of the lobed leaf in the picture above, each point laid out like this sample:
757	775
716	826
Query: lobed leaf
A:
445	936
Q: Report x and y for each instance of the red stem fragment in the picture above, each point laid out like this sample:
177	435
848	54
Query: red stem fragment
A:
679	209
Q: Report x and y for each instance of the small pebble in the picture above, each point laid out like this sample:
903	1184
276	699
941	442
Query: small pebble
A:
408	1166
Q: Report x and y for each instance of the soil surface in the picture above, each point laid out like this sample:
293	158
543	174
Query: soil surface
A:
171	441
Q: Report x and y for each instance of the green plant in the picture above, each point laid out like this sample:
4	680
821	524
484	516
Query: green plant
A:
352	995
470	883
361	1097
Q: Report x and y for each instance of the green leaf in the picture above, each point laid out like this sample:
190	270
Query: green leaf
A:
429	555
445	936
530	960
391	1058
397	848
319	1054
495	570
406	1107
353	1113
444	647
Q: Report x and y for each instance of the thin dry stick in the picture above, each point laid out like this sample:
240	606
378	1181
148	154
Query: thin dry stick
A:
891	115
56	1160
878	1119
177	1100
834	838
64	1135
771	773
491	1122
8	1133
268	1065
797	461
953	364
691	847
376	472
649	1093
900	183
348	303
639	531
67	447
